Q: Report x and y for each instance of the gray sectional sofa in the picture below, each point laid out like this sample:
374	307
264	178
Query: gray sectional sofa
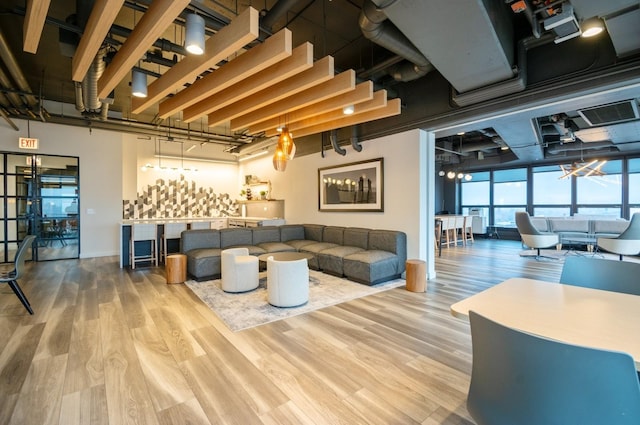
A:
367	256
567	227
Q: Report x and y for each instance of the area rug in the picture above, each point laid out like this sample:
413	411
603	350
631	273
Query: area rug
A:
249	309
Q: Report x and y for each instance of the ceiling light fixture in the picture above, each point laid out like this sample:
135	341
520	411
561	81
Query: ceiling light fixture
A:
285	150
348	110
583	169
592	27
451	175
194	37
138	83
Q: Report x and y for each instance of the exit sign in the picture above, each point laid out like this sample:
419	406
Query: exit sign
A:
27	143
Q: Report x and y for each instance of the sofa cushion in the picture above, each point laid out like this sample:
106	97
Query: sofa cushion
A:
333	234
263	234
609	227
276	247
371	267
290	232
204	263
301	243
194	239
235	237
355	236
568	225
315	248
331	260
313	232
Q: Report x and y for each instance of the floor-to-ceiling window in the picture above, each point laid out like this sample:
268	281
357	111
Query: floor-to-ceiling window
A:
509	195
614	191
40	197
601	195
551	192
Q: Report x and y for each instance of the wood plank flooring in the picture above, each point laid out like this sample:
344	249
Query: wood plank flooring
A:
114	346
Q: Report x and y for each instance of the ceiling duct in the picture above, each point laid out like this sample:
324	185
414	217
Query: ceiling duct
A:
471	47
611	113
574	147
376	27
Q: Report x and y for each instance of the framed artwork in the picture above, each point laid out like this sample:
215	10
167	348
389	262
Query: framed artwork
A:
352	187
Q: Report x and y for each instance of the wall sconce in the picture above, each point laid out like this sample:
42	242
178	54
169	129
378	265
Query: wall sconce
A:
194	37
138	83
591	27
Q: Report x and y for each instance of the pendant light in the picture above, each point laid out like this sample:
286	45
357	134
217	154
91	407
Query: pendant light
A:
279	160
285	142
138	83
194	38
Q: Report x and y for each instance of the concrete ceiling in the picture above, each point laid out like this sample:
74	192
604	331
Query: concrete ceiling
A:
493	72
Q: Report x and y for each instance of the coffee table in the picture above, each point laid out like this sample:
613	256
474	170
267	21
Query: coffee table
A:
590	241
285	256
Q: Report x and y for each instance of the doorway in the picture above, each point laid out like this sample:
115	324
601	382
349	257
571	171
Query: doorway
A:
40	197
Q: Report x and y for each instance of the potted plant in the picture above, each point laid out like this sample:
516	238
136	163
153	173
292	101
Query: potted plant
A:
263	194
243	193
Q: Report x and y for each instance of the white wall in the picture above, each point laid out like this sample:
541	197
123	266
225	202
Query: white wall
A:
101	175
405	203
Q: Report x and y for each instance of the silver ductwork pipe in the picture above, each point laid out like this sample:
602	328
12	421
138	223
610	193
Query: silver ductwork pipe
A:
376	27
79	96
92	103
573	147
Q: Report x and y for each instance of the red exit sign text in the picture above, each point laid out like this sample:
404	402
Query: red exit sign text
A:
27	143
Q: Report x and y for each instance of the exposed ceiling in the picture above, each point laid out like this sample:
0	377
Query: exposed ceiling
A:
507	74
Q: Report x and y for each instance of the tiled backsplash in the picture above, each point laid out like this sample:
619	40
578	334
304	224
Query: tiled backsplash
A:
178	199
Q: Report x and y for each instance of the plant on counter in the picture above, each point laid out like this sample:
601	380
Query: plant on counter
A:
263	194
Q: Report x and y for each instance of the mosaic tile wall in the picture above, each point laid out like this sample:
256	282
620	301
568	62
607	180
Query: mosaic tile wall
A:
178	199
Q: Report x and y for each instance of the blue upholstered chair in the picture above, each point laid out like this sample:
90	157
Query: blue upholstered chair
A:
597	273
628	243
532	237
524	379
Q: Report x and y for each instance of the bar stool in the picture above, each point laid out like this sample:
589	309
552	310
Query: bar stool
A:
144	232
467	230
171	231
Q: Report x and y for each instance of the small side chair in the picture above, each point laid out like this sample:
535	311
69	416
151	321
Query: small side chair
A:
628	243
532	237
239	270
11	276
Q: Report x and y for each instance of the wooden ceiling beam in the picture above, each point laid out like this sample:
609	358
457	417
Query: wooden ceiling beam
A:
321	71
156	19
379	101
341	83
273	50
102	16
300	60
241	31
34	19
392	109
361	93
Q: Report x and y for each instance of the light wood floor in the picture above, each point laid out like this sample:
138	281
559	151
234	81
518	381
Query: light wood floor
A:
112	346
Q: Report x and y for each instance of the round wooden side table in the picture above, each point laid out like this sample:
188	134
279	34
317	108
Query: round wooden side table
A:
176	268
416	275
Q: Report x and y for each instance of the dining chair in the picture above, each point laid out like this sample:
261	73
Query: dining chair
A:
628	243
11	276
532	237
597	273
525	379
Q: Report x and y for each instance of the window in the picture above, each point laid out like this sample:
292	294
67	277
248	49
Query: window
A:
601	190
549	188
509	195
634	186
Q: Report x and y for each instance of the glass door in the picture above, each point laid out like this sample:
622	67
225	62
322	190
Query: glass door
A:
41	198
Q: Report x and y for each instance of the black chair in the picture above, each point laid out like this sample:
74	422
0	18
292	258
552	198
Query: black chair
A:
595	273
524	379
11	277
